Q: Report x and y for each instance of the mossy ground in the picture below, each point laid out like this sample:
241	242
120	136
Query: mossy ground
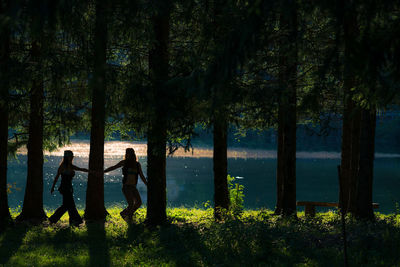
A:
192	238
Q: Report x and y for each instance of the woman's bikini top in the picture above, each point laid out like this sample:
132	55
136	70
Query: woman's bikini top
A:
130	175
66	180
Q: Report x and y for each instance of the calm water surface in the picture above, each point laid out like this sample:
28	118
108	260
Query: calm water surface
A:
190	181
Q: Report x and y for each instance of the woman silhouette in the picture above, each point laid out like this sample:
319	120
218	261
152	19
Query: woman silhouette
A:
131	169
67	172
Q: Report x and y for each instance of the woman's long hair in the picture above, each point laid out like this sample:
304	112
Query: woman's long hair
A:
67	159
130	158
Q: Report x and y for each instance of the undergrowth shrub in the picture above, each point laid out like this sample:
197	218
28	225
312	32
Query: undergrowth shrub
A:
236	196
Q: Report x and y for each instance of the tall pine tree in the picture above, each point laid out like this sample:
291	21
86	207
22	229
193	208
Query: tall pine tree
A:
157	127
95	209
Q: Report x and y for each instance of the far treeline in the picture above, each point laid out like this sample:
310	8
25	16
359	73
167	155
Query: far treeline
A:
159	69
310	136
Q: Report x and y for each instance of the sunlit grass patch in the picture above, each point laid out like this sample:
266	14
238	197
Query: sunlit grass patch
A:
191	237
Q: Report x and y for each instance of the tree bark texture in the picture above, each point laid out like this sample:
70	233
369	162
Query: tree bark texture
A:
157	132
350	151
280	165
220	128
286	169
95	209
354	158
220	164
351	115
345	168
358	137
363	194
4	96
156	171
32	208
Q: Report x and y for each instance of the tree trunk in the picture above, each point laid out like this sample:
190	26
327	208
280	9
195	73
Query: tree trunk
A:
157	132
4	92
286	171
33	201
350	151
351	116
289	159
220	161
354	159
156	165
220	127
95	209
363	200
345	169
280	164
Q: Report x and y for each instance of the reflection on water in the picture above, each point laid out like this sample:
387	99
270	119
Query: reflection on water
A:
190	179
116	149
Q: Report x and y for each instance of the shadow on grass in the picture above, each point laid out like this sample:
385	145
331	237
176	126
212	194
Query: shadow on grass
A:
312	242
97	243
64	237
235	243
11	240
183	244
177	244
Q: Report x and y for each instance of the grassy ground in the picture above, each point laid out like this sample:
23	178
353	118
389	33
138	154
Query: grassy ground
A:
192	238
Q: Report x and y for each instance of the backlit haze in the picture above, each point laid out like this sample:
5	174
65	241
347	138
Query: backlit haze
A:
113	149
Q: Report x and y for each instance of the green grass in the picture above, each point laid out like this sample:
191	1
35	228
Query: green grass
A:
192	238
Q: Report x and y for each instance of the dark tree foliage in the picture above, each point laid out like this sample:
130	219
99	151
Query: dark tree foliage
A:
32	208
49	88
33	201
156	70
364	61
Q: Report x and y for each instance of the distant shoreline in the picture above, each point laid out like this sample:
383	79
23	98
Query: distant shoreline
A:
117	149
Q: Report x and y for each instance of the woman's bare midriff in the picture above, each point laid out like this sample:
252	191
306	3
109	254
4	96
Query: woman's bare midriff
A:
131	179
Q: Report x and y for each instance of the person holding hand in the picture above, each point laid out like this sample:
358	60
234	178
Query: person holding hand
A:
131	170
67	172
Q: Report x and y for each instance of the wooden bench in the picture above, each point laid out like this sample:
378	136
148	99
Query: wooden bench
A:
309	206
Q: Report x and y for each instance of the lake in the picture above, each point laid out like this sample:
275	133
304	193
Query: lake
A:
190	179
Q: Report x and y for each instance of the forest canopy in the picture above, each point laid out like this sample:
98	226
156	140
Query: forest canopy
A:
159	70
